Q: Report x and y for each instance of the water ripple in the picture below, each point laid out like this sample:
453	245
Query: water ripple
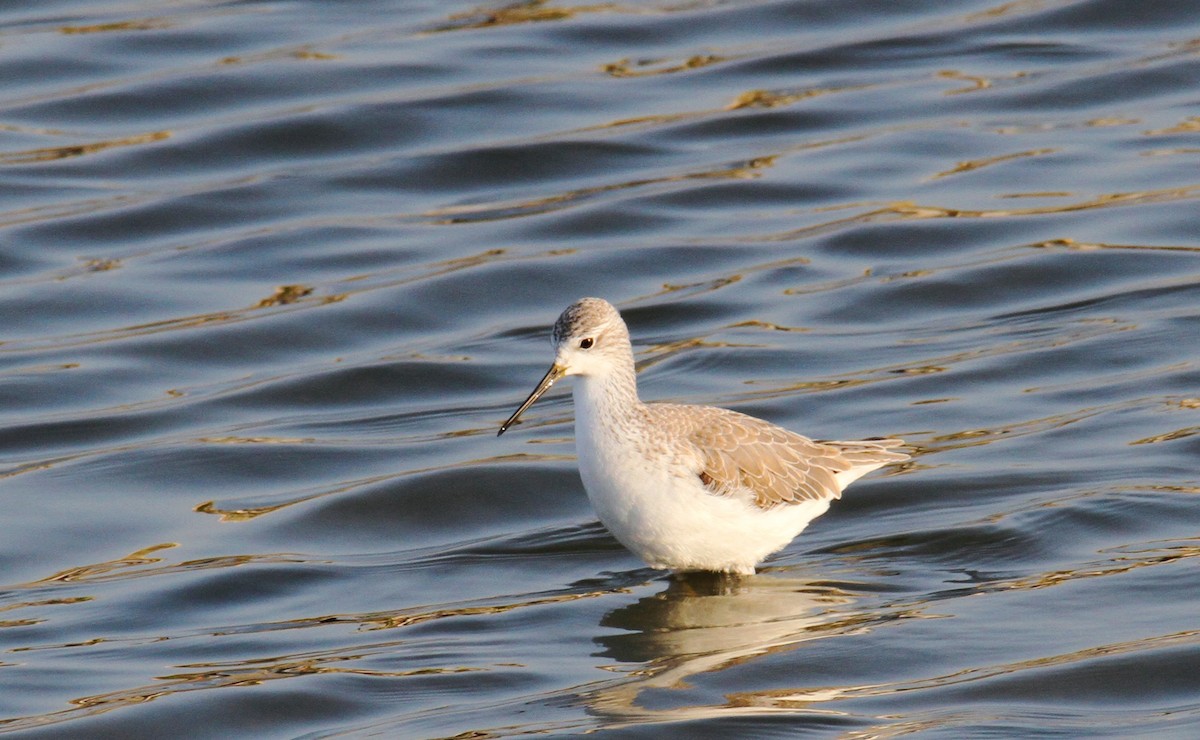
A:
272	274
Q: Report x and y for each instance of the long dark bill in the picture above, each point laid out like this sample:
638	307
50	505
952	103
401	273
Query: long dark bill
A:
552	375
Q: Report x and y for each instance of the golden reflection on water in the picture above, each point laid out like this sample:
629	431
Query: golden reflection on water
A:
139	564
986	435
772	99
666	350
507	209
245	513
700	624
648	67
48	154
408	618
977	82
1189	125
528	11
681	659
1079	246
139	24
303	53
756	324
284	295
35	604
245	509
94	571
1168	436
256	671
1065	335
249	673
1128	558
976	164
897	725
1013	7
908	210
289	297
970	675
750	99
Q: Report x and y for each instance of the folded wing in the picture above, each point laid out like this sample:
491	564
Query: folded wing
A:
738	454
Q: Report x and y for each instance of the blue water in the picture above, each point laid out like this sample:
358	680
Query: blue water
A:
272	274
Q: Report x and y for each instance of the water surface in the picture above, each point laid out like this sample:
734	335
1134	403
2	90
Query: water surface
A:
272	274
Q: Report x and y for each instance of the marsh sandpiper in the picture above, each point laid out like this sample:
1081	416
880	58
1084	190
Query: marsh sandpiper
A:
689	487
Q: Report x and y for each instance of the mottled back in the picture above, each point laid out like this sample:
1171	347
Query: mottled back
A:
738	453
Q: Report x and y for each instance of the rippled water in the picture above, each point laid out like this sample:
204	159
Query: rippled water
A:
273	273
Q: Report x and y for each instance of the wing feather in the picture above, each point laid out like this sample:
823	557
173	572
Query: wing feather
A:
735	454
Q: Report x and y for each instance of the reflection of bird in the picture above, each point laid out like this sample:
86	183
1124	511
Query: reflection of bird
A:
708	613
703	624
689	487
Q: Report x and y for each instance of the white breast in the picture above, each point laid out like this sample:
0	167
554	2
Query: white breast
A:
658	508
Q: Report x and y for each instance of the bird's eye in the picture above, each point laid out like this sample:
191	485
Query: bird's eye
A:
586	343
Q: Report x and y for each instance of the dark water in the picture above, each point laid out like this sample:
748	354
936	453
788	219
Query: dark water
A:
272	274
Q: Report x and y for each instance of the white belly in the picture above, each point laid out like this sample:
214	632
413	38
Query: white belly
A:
666	516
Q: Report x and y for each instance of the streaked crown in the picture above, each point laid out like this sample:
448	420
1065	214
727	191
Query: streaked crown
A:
586	317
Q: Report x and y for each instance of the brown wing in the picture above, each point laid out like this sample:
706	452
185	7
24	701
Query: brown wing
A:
739	453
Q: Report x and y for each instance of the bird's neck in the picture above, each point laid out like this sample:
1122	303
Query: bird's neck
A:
608	400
